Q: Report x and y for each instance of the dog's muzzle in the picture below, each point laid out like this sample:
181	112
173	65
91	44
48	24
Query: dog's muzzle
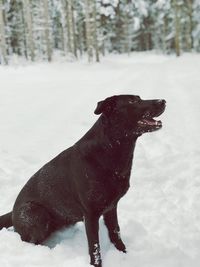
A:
158	107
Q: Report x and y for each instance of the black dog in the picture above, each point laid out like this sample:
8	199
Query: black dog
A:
88	179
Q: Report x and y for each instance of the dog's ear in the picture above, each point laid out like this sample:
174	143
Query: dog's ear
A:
105	106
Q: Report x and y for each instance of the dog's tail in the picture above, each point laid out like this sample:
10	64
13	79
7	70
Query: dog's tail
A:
6	220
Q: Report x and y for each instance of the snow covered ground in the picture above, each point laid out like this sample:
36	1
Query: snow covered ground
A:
44	108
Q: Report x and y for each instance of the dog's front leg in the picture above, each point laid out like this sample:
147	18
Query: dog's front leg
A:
111	222
92	231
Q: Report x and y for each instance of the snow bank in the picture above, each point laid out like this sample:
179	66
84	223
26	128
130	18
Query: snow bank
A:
44	108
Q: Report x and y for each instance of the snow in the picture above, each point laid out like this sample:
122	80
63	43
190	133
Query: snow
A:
45	108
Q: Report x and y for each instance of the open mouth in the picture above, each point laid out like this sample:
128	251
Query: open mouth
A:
148	123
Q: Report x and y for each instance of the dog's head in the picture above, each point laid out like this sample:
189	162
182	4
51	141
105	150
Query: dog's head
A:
132	114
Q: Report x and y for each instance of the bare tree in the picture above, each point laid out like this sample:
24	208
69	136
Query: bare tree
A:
64	26
177	27
95	41
2	36
89	39
29	29
91	30
47	33
190	24
71	28
128	22
164	33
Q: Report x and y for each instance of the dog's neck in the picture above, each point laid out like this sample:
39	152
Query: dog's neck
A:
113	151
120	152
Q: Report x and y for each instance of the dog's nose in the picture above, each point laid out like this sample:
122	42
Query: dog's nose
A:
162	102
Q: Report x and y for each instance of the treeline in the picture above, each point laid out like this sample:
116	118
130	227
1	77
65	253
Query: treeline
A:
38	29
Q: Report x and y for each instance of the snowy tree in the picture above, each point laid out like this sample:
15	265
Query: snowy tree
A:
106	14
36	29
46	28
80	28
29	29
176	6
91	29
95	33
196	25
15	21
88	25
188	10
71	28
3	57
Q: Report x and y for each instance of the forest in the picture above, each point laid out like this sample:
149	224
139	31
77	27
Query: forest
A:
37	30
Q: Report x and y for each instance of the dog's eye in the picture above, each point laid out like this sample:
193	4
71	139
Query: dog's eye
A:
133	101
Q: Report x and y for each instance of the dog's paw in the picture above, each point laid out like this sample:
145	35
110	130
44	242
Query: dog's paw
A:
120	246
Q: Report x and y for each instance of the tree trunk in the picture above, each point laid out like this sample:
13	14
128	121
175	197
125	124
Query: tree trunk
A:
71	29
89	35
3	58
46	26
95	32
80	38
64	26
177	27
127	29
190	25
164	31
91	30
118	45
74	32
29	29
103	36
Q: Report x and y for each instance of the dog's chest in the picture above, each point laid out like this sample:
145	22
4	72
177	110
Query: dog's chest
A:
106	194
119	183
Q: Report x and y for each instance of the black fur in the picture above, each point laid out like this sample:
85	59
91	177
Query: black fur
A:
86	180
